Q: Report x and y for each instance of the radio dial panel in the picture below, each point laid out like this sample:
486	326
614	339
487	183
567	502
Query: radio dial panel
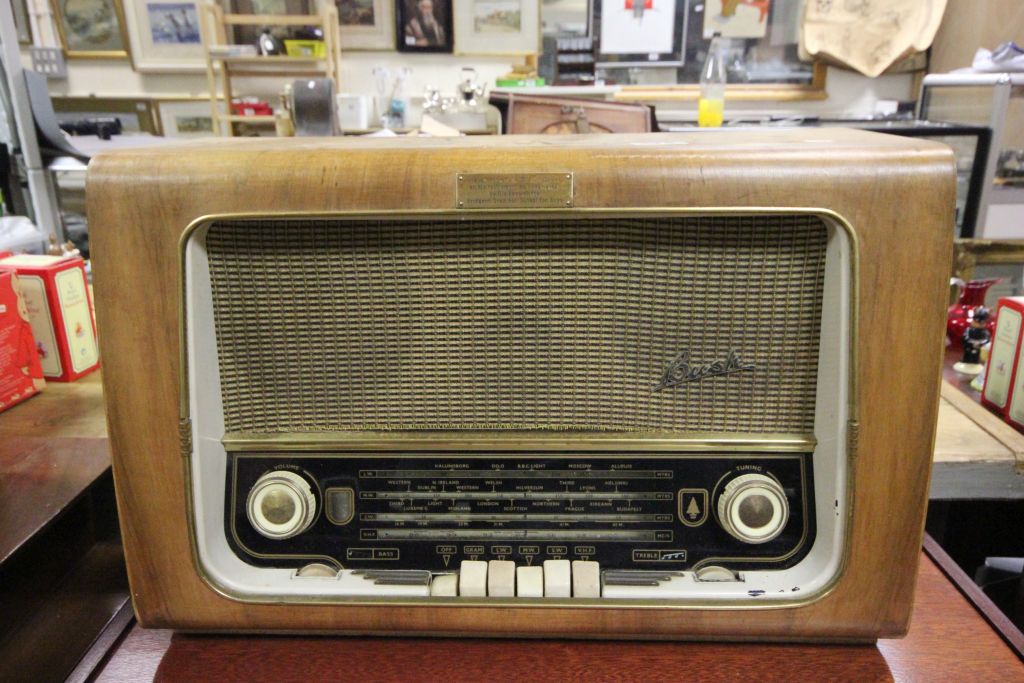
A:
419	512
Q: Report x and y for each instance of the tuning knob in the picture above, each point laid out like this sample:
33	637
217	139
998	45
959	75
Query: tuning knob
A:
281	504
753	508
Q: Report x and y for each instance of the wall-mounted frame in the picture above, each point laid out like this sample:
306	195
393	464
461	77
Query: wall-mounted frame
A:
565	18
497	27
736	19
640	33
423	25
165	35
780	92
186	117
366	24
766	68
247	35
22	22
137	115
91	29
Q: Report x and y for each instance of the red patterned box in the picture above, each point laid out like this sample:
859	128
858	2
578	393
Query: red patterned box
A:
60	310
21	376
1002	385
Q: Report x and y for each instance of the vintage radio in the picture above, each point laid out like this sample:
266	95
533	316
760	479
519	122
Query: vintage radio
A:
661	386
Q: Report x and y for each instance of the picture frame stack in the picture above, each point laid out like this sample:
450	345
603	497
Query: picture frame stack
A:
164	36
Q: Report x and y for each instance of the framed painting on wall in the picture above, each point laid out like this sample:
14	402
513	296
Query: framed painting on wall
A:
424	25
366	24
186	118
248	35
497	27
165	35
22	23
136	115
91	29
736	19
641	33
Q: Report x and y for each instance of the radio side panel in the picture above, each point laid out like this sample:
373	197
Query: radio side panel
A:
896	193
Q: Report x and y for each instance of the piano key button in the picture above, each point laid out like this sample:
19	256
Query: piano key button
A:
501	579
445	585
557	579
473	579
586	579
530	582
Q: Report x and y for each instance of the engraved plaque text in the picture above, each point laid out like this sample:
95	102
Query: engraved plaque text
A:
513	190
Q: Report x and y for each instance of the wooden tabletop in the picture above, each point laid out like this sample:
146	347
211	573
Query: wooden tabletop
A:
52	447
948	640
977	454
55	445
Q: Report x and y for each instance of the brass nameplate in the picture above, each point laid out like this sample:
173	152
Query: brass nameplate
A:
513	190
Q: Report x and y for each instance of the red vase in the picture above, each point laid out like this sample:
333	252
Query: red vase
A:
960	314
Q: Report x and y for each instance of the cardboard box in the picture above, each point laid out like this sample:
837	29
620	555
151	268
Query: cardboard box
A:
21	375
60	310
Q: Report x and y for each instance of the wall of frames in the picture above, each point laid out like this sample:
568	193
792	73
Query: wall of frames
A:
151	49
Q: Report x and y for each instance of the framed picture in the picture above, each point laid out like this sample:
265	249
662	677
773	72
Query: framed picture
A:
137	115
247	35
91	29
736	19
22	23
640	32
424	25
565	18
165	35
366	24
189	118
497	27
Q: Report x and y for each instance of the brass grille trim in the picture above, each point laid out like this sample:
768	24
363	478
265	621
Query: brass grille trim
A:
514	441
852	408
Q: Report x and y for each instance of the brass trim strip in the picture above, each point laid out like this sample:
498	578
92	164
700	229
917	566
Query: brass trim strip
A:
827	215
514	441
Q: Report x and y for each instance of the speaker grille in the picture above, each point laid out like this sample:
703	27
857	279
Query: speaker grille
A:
442	323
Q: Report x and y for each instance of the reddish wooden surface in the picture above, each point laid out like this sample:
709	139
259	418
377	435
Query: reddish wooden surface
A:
52	447
948	640
39	478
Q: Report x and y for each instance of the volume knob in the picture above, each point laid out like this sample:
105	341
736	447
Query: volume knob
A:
281	504
753	508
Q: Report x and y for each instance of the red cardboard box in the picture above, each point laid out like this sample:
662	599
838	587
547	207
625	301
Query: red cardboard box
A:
21	376
1001	375
60	310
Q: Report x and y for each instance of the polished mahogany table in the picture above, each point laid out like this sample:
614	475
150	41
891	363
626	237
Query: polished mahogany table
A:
949	640
55	445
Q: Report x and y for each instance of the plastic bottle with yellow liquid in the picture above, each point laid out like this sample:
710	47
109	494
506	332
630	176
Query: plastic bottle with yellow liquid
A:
711	105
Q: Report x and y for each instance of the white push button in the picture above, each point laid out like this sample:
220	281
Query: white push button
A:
501	579
586	579
473	579
530	582
445	585
557	579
